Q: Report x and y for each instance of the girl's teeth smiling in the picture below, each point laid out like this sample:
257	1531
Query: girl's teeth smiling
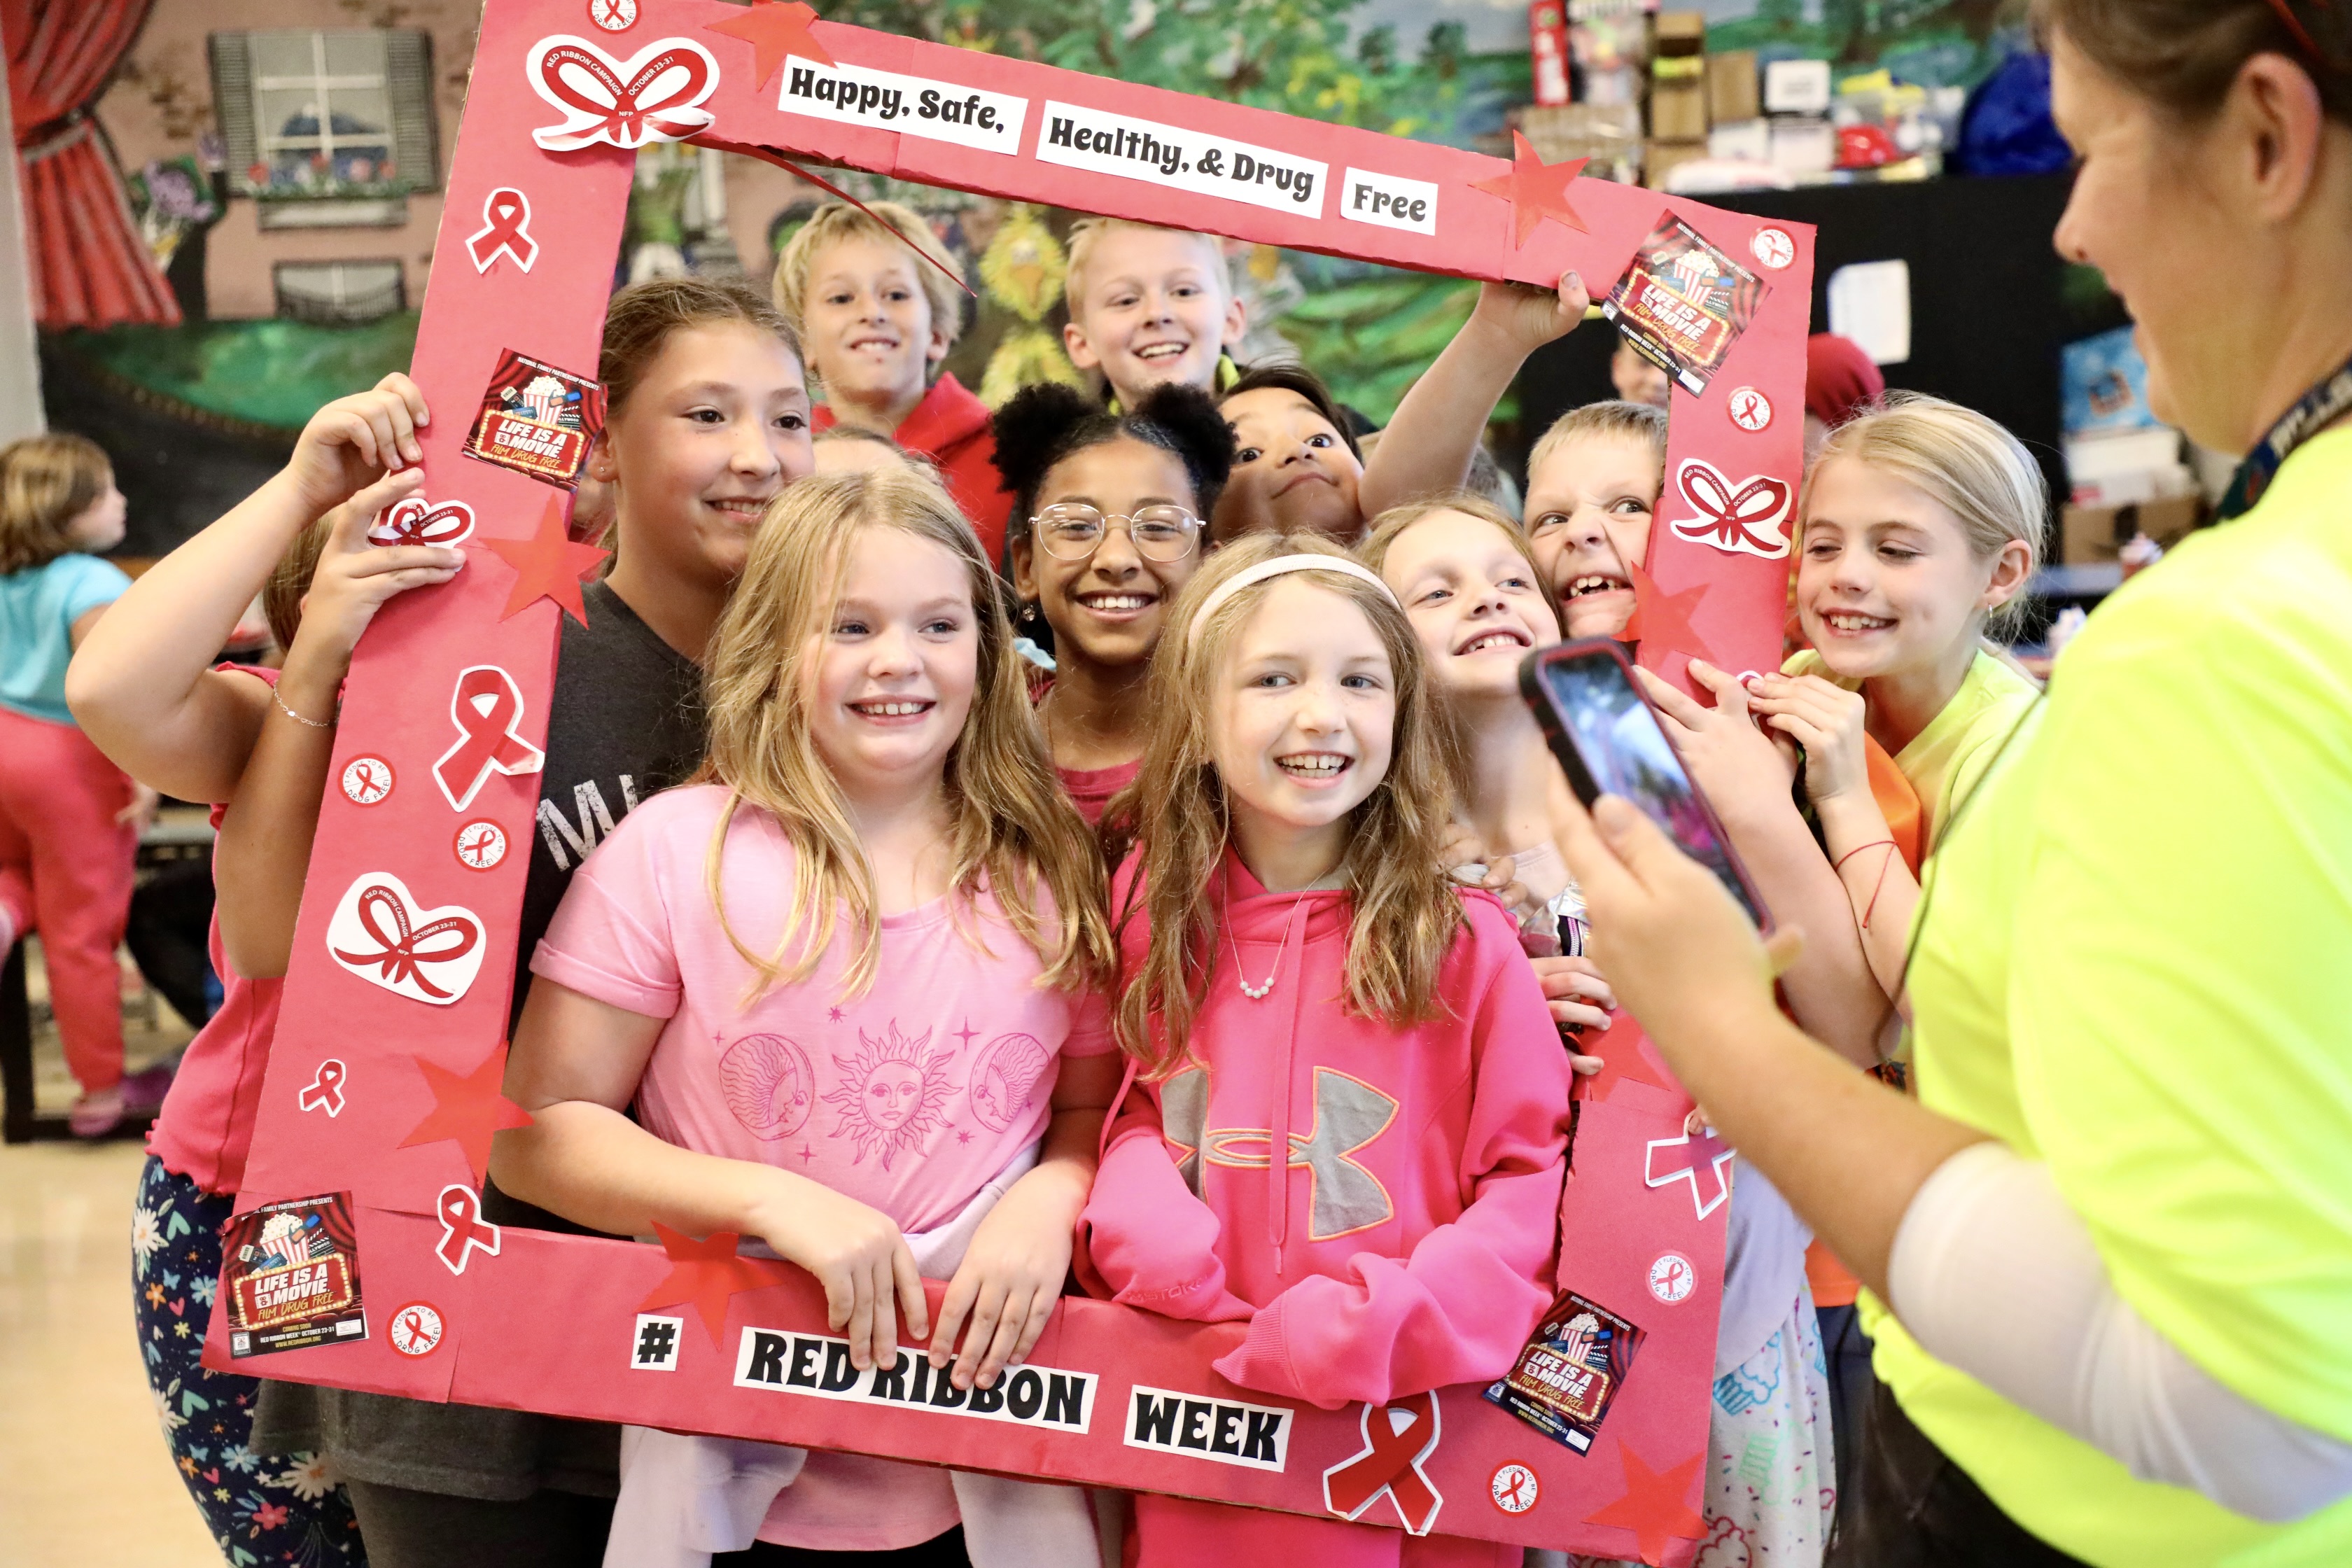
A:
1114	603
1854	621
1314	765
739	506
895	709
1512	640
1158	352
1593	584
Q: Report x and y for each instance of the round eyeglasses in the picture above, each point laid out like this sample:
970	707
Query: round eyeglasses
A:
1073	533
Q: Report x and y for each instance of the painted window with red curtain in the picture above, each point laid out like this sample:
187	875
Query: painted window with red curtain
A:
90	267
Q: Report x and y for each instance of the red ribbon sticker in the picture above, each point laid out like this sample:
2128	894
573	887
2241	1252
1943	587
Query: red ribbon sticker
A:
1697	1159
486	706
505	231
463	1228
1742	521
419	521
428	955
653	97
1398	1437
326	1090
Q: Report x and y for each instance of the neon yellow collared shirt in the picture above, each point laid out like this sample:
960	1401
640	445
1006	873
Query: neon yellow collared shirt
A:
2135	965
1947	761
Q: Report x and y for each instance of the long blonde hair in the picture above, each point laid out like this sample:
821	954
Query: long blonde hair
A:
1014	832
1967	463
1406	910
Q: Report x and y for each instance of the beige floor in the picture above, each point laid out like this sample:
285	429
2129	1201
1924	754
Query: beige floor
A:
85	1478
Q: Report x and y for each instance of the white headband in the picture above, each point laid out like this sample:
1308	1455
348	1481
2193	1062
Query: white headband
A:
1278	566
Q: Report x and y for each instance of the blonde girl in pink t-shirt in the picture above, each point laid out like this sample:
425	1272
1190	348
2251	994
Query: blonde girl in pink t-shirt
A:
849	982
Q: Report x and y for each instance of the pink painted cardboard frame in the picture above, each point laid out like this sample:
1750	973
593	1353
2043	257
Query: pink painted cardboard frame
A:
379	1041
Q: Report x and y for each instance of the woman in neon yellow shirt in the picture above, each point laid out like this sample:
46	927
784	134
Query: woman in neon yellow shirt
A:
2115	1229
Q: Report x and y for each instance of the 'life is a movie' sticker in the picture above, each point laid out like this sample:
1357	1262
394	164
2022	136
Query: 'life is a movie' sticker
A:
818	1366
1105	144
1682	303
1570	1371
918	106
292	1276
538	420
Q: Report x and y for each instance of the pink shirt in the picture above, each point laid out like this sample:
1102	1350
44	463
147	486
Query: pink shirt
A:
207	1124
1090	789
908	1099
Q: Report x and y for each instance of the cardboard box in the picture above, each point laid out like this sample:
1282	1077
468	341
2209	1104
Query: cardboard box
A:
1680	33
1797	87
1740	141
1803	146
1678	111
1662	158
1734	89
2089	534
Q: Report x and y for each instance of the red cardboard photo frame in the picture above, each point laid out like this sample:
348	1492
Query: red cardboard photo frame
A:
384	1077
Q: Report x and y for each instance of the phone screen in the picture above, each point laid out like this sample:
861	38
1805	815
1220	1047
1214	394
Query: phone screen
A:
1625	752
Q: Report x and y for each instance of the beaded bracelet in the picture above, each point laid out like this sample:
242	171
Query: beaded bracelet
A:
313	723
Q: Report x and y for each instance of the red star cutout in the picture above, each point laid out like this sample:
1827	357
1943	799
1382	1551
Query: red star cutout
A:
708	1274
1624	1052
1536	190
1663	619
467	1108
1653	1507
774	30
547	565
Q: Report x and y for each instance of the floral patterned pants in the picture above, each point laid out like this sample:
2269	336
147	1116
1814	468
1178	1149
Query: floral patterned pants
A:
262	1511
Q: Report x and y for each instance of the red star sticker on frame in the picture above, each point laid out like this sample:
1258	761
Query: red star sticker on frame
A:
1654	1506
1664	618
1536	190
466	1109
710	1275
547	565
774	29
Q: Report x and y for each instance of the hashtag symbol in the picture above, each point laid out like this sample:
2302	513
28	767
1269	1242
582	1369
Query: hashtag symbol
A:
654	1343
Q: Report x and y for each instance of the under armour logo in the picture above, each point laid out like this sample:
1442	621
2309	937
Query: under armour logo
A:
1348	1114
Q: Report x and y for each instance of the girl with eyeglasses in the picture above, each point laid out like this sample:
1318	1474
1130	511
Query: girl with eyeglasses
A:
1108	524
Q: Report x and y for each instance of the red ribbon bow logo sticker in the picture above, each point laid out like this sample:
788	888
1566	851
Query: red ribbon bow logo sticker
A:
463	1228
428	955
1698	1159
653	97
1745	521
485	705
505	231
326	1090
419	521
1398	1437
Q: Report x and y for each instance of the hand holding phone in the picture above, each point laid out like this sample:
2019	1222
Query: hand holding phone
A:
1608	740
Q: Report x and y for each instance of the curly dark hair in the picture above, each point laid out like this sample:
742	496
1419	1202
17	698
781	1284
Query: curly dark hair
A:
1046	424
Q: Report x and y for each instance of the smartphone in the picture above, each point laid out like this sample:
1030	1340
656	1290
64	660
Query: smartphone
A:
1607	740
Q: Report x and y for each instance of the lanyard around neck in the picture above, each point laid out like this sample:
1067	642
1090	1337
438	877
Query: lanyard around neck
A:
2313	412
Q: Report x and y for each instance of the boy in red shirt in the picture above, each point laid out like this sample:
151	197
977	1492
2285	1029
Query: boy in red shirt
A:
876	318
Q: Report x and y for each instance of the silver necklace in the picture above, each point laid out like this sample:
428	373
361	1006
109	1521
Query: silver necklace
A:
1259	993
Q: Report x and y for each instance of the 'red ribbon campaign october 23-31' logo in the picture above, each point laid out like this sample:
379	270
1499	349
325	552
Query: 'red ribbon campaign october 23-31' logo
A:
655	96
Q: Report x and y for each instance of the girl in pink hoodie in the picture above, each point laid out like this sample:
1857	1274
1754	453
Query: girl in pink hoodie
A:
1298	974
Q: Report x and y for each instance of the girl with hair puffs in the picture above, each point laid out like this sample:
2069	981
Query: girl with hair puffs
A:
1108	512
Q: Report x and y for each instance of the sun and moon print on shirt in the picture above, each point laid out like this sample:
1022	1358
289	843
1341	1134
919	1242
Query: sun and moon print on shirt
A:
890	1094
